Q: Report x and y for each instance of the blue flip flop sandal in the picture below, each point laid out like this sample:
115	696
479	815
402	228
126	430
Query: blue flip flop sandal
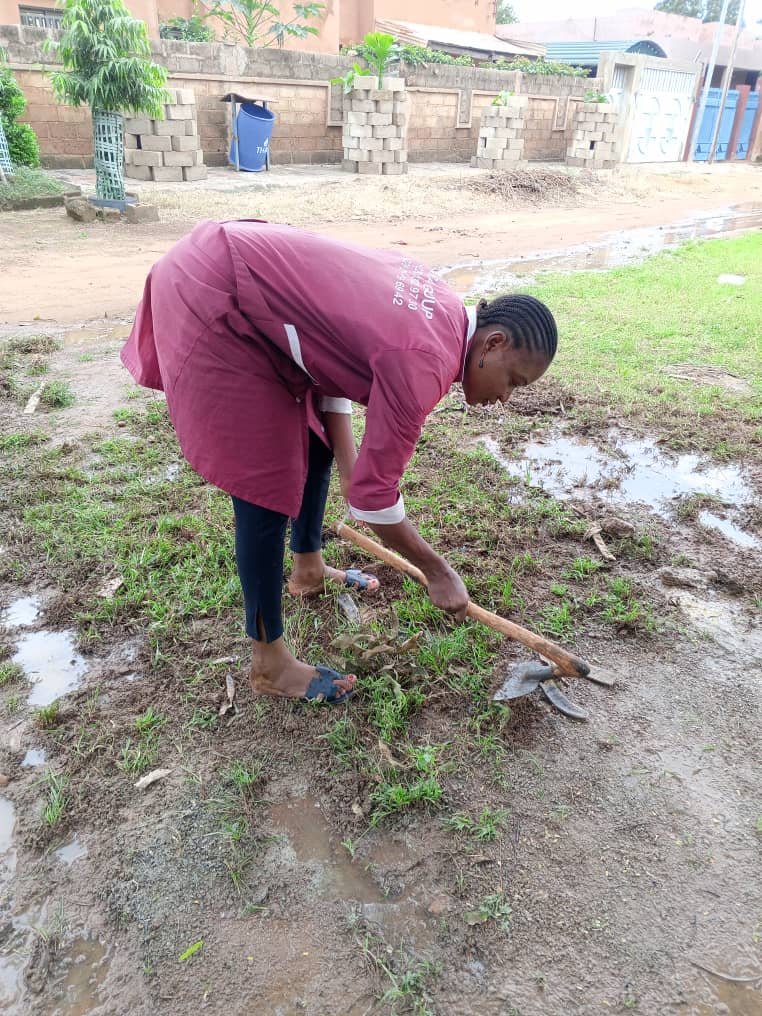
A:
322	690
355	579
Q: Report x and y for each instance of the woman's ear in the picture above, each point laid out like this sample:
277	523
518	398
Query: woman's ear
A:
495	339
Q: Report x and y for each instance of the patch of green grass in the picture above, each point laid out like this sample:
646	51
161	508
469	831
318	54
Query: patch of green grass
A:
485	828
58	395
582	568
557	620
344	739
55	794
495	908
27	345
389	798
140	753
669	310
243	777
10	672
29	183
16	442
621	608
47	716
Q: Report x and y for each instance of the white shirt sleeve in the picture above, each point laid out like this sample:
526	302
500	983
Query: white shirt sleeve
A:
331	405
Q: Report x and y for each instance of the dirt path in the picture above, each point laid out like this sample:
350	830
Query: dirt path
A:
60	272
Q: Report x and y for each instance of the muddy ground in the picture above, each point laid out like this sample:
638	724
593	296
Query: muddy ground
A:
624	870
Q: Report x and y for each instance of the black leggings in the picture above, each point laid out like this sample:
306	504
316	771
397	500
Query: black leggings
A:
260	539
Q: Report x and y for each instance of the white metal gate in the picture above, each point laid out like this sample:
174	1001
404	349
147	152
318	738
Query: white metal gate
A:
662	115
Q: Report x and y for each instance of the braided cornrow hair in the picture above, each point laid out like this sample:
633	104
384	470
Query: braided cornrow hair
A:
527	321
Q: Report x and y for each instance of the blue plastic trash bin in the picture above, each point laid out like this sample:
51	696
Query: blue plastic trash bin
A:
254	125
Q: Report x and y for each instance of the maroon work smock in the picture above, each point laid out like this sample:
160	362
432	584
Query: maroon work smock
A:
253	329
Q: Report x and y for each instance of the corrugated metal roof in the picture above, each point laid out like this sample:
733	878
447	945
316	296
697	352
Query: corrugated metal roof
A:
588	53
478	42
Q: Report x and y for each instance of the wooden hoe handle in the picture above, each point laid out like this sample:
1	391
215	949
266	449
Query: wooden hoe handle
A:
568	664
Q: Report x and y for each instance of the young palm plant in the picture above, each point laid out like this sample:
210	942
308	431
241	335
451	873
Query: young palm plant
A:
105	56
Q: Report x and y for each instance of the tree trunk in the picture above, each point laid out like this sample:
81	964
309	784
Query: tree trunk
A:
108	155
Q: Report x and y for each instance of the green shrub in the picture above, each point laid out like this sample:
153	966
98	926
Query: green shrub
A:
542	67
22	141
190	29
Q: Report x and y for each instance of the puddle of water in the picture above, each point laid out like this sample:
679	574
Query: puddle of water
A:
735	999
84	966
729	529
95	334
22	612
310	837
35	757
629	247
641	474
71	852
51	662
7	825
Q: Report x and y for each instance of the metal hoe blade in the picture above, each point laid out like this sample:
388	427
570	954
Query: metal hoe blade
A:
523	680
556	697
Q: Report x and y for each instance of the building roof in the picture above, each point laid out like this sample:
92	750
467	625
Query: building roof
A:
415	34
587	54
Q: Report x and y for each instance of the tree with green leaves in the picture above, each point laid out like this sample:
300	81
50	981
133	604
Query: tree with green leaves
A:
260	22
505	13
704	10
18	142
105	55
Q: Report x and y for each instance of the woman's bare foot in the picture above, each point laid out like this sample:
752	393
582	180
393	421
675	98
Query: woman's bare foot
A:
310	574
276	671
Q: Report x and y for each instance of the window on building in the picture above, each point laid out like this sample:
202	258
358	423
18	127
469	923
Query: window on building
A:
41	17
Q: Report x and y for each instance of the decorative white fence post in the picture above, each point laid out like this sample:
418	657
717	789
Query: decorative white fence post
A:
501	141
593	137
375	126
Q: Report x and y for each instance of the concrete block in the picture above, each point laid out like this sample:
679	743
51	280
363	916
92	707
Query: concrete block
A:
363	106
373	144
515	145
358	154
385	107
382	95
400	156
171	95
138	157
357	118
382	156
365	82
487	132
185	96
482	163
80	209
171	128
379	119
349	165
191	127
370	168
394	84
401	105
394	144
131	140
181	111
141	213
193	173
134	125
574	160
603	150
400	120
185	143
137	172
386	132
506	132
492	149
183	158
156	143
508	163
359	130
394	168
167	174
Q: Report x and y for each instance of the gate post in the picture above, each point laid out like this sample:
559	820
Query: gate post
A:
743	98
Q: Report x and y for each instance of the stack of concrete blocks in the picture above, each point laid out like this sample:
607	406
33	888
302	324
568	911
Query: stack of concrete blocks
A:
593	136
375	126
501	141
167	150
